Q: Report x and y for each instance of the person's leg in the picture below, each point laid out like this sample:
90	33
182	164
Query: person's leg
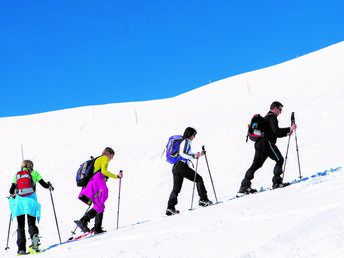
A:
98	223
276	155
190	174
177	186
82	223
21	238
259	158
33	229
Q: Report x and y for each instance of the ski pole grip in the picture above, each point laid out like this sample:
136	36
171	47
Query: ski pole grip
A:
292	118
203	149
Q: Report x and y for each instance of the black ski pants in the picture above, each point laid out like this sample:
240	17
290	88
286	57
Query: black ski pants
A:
180	171
98	221
263	150
33	229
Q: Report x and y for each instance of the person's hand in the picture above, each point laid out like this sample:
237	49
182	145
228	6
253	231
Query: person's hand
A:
51	188
120	175
292	129
199	154
12	196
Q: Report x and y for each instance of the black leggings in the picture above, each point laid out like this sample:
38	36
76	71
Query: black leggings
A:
180	171
33	229
265	149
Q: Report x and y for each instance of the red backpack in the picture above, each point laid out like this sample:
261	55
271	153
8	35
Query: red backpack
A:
24	183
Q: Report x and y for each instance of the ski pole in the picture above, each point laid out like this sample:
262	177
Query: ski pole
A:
52	201
9	224
286	157
162	153
297	151
8	234
73	232
292	118
211	179
193	190
119	197
298	158
89	206
22	151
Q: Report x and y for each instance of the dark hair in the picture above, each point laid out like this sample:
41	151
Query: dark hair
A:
189	132
109	151
275	104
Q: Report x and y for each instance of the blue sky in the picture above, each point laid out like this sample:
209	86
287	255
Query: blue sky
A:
70	53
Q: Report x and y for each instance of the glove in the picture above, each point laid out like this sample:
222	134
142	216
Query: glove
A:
51	188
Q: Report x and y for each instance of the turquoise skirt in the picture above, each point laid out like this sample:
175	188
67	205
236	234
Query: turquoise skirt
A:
25	205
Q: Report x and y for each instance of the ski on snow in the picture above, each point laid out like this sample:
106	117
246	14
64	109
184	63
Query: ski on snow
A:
74	239
313	177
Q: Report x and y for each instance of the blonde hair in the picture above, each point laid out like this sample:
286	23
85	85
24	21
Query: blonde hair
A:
108	151
27	164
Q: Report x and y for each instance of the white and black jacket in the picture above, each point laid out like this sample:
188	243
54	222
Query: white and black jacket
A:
186	153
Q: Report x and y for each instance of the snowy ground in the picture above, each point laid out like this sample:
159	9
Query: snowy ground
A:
303	220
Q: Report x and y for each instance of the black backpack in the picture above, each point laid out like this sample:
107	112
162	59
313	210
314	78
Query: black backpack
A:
257	128
85	172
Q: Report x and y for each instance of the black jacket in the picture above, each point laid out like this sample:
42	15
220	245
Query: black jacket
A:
274	131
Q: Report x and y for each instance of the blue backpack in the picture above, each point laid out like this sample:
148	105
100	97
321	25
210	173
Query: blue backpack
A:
172	149
85	172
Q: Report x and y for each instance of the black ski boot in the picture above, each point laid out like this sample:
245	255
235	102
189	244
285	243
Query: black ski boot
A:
82	223
22	252
247	190
205	203
280	185
171	211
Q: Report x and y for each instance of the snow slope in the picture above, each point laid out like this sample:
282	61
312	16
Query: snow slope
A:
303	220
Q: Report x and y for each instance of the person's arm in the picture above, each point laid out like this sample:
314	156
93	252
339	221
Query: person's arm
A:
36	177
183	150
43	183
104	168
13	189
278	132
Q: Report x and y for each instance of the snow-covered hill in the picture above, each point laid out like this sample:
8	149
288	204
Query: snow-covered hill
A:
303	220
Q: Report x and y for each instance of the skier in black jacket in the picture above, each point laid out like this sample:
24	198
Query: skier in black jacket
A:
266	147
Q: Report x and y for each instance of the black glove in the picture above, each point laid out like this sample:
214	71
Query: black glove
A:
51	188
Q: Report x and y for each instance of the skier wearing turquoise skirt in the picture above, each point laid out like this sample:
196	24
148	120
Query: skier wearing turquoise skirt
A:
24	201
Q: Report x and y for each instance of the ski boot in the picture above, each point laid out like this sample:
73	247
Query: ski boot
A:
205	203
280	185
34	247
247	190
171	211
83	222
22	252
